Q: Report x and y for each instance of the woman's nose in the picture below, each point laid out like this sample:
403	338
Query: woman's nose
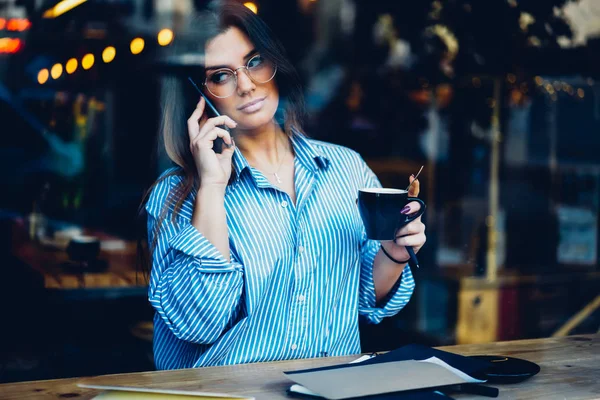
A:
244	83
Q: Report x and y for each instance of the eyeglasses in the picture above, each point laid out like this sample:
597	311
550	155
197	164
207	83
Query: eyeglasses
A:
223	81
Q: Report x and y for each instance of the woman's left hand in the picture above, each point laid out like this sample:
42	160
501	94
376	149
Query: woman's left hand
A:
412	234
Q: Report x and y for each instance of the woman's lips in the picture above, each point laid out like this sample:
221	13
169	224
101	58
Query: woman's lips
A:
252	106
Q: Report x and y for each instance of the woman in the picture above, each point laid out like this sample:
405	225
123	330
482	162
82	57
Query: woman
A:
259	252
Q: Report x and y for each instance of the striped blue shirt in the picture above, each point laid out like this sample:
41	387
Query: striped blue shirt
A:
299	276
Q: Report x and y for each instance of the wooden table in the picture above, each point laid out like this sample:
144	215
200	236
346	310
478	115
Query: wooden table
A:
570	370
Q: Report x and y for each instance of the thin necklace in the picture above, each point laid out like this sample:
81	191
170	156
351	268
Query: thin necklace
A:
276	173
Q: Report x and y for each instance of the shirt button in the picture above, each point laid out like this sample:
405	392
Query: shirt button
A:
300	249
301	298
294	347
284	204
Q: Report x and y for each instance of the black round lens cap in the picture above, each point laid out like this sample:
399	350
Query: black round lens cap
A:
506	369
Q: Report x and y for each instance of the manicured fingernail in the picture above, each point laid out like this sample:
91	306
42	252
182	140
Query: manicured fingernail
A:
405	210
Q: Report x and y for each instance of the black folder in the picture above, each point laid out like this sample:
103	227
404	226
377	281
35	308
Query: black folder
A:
469	366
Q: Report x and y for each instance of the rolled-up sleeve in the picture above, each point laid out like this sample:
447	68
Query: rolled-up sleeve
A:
193	288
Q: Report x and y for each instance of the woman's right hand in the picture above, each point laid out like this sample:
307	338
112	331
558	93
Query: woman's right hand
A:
214	169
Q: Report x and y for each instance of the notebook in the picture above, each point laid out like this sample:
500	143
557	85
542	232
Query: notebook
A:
374	379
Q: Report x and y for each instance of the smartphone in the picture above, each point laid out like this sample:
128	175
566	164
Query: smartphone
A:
218	143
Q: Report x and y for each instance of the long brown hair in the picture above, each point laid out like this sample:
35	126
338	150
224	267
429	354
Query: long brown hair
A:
173	133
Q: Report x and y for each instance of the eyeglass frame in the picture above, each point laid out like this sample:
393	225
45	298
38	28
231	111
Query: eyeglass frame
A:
235	74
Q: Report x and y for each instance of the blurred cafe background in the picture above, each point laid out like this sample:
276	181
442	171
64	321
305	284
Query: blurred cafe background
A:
498	99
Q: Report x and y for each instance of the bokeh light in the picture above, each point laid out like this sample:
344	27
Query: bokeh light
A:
43	76
56	71
71	65
137	45
87	61
109	54
165	37
252	7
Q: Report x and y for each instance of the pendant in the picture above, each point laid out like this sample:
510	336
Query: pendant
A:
277	177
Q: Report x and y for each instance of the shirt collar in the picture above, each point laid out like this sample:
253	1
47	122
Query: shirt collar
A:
307	153
239	163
